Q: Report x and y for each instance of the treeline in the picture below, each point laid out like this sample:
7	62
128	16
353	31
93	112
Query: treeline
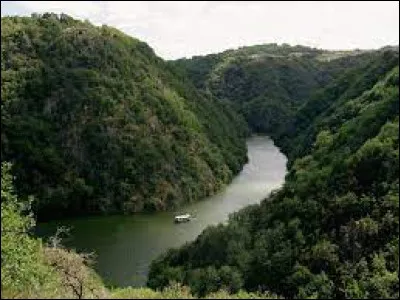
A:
332	230
94	122
268	84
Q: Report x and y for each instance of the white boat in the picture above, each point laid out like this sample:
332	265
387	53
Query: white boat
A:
183	218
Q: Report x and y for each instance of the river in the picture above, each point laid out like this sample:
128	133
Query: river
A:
125	245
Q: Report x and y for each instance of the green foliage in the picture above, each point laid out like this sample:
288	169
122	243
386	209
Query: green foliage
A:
332	230
269	83
95	122
341	100
30	269
177	291
22	267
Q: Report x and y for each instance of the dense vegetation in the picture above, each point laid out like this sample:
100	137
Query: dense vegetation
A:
318	113
332	230
268	83
33	269
93	121
30	268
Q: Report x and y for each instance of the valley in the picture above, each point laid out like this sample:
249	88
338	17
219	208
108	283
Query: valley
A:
287	156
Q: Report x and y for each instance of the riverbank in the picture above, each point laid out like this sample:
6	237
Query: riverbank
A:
125	245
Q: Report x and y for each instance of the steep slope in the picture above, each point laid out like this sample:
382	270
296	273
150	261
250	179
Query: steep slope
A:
296	136
269	83
332	230
94	121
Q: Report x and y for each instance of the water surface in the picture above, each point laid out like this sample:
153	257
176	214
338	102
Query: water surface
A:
125	245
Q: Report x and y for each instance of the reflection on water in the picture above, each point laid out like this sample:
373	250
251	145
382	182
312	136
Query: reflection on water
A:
125	245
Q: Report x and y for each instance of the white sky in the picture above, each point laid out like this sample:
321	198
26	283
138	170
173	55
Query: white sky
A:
182	29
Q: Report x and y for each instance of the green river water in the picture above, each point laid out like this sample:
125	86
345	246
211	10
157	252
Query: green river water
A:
125	245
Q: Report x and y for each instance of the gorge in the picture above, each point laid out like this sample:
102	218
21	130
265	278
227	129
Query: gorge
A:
111	139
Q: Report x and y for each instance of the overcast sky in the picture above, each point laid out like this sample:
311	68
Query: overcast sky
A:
183	29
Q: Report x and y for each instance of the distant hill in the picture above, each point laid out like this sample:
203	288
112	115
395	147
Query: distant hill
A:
269	83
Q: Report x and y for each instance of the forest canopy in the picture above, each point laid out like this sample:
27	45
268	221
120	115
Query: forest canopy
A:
94	122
